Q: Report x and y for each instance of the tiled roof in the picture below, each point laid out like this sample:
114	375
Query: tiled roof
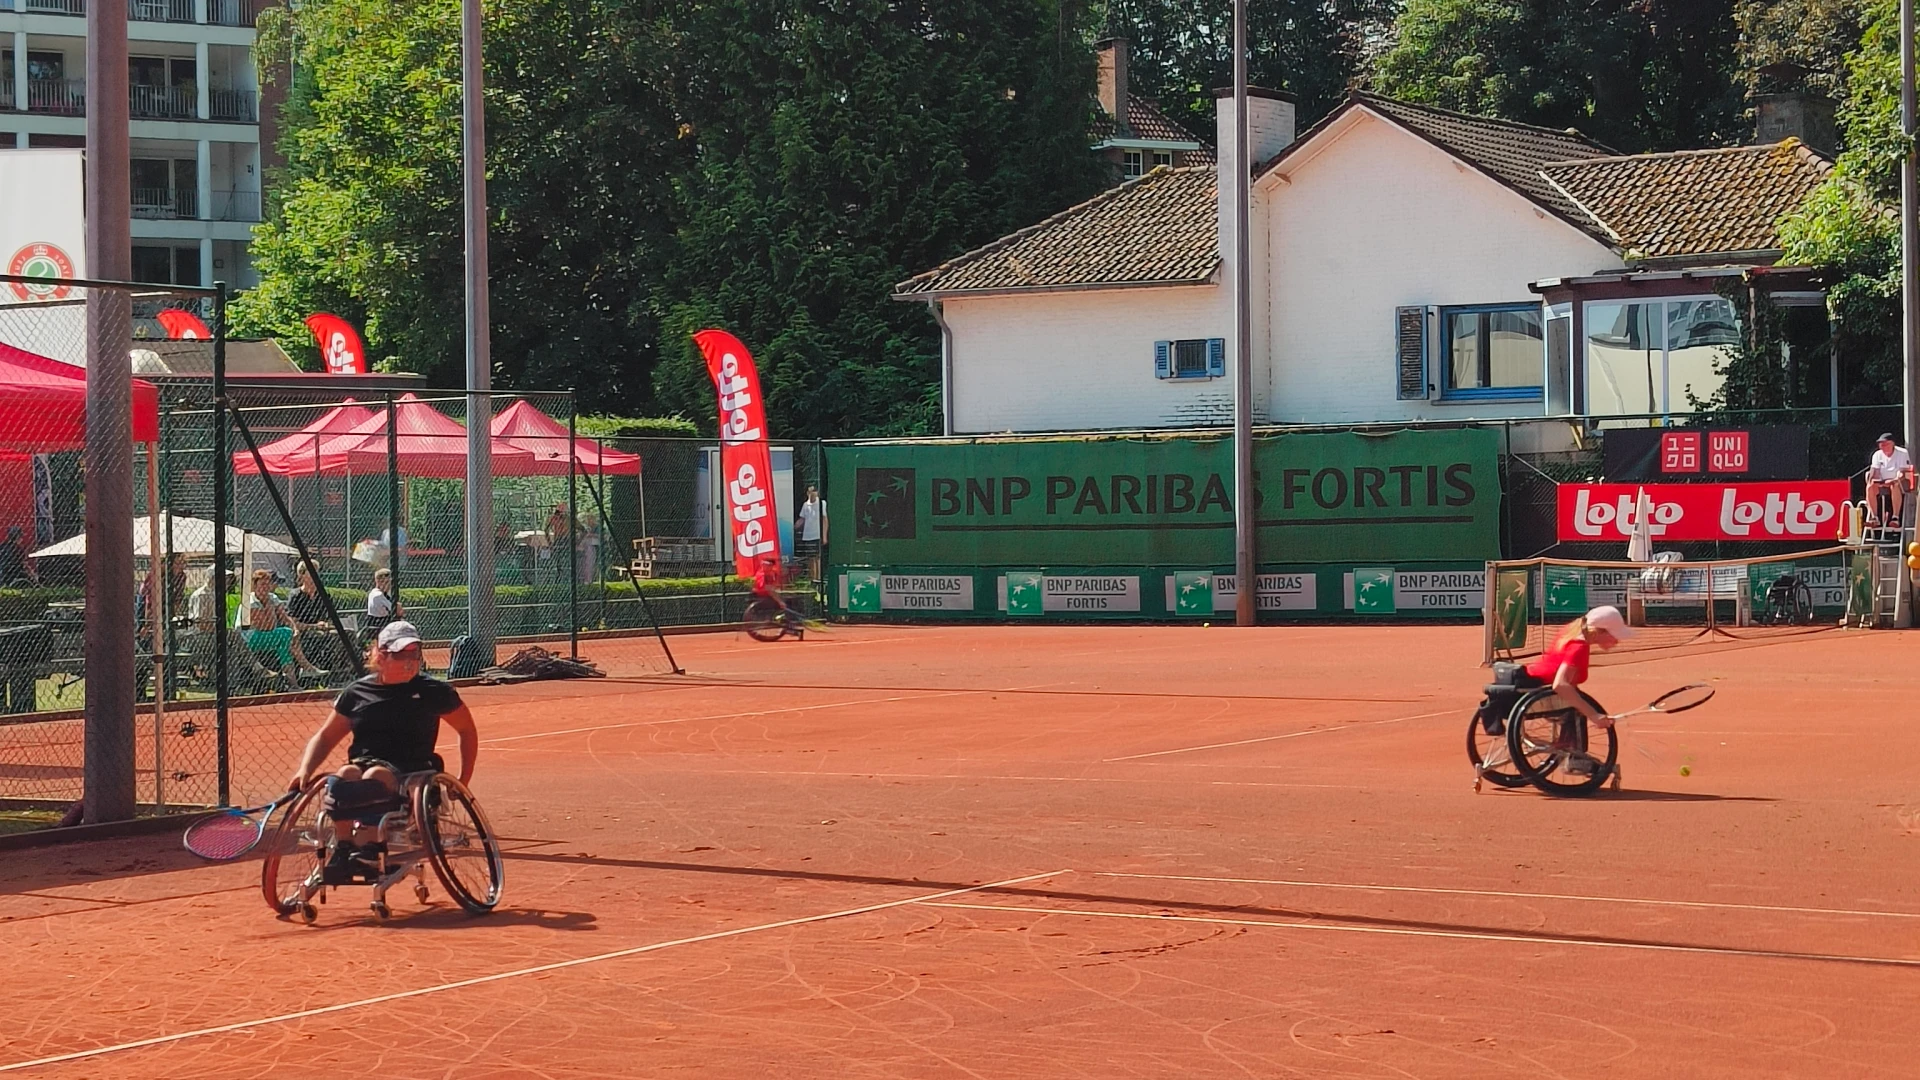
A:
1693	203
1156	230
1510	153
1148	122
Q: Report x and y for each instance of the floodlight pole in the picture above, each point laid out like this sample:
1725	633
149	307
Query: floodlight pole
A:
1909	238
473	140
1246	594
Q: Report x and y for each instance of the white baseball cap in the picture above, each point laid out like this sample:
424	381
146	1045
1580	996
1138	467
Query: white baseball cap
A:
1608	618
400	633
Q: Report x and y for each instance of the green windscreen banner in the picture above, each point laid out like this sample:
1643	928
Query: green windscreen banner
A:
1338	497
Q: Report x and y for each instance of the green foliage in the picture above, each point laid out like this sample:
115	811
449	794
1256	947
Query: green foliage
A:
1634	74
635	427
26	605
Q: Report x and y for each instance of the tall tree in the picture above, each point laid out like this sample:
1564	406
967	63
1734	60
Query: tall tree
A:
1635	74
1183	50
841	148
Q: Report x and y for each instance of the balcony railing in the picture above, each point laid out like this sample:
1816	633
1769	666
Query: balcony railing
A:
163	203
159	10
241	106
230	12
6	90
163	102
236	206
61	97
47	7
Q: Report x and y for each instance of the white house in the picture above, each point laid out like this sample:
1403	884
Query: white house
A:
1408	263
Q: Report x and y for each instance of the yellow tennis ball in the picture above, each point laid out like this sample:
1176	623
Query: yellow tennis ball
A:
1685	771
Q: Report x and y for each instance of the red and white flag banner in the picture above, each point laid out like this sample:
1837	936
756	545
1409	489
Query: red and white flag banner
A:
183	326
339	344
1775	510
746	462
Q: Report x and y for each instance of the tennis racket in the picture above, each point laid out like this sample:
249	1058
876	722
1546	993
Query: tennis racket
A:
1673	701
232	832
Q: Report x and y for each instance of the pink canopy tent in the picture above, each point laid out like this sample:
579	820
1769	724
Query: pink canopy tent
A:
427	443
43	404
527	428
299	452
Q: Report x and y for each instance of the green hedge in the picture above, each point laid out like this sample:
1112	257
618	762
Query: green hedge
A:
26	605
636	427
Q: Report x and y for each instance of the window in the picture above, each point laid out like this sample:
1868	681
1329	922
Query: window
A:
1130	163
1559	360
42	66
1192	358
1162	157
1492	353
1656	356
153	264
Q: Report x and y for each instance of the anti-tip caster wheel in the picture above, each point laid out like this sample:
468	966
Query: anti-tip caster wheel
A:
1614	781
1476	785
380	910
308	913
420	893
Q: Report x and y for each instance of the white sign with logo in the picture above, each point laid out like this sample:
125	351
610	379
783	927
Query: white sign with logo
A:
1079	593
926	592
1276	592
1385	591
43	234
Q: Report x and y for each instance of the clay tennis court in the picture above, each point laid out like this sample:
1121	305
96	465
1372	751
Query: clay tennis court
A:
1059	851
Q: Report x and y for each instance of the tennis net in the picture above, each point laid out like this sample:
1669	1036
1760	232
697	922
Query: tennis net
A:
1672	604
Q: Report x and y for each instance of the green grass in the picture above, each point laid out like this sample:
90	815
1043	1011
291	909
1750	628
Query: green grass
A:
19	821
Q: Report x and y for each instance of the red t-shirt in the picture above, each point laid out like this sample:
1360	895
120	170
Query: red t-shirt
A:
1574	652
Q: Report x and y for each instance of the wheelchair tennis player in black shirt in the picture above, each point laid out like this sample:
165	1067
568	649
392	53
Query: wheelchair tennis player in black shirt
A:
394	716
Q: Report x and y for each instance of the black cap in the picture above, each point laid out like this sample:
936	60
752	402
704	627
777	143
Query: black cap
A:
1886	436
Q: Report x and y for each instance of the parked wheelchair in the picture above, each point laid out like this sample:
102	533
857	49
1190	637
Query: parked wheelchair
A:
432	820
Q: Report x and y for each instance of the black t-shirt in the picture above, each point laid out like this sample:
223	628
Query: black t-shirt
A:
306	608
397	722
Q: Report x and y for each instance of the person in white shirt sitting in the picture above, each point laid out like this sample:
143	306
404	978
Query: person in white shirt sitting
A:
1890	472
381	608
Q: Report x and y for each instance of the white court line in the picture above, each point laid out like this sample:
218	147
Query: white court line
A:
1540	939
755	712
1274	738
540	969
1518	895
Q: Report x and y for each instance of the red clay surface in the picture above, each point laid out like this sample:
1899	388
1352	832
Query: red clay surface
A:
1227	853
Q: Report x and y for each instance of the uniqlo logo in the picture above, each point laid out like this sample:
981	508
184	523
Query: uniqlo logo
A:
1727	452
1680	452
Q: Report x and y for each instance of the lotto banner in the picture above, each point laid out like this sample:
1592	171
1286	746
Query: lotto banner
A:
746	462
340	345
1797	510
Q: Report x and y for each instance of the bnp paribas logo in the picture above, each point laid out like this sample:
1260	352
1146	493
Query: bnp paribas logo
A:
884	504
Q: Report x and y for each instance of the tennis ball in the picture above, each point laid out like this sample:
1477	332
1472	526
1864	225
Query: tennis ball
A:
1685	771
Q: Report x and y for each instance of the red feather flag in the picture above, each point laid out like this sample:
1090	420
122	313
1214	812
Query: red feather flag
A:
746	461
339	345
183	326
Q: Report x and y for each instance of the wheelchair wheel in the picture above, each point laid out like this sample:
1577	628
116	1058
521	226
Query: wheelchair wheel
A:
1802	604
764	621
1549	744
295	851
460	843
1489	756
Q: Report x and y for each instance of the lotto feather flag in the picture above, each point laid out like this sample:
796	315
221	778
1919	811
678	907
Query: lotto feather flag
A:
339	344
746	462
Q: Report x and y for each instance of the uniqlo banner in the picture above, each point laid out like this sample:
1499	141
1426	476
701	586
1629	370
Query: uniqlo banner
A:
746	464
1669	455
339	345
1782	510
183	326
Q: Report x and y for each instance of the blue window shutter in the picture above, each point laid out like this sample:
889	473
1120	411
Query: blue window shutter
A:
1216	358
1163	359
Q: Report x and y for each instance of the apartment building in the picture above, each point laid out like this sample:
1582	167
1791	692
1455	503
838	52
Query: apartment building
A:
195	126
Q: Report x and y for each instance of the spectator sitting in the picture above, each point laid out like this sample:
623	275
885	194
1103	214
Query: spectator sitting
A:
381	607
1890	472
203	609
269	631
306	606
13	560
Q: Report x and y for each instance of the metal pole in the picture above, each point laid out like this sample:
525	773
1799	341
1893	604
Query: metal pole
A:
1246	596
217	585
108	791
573	533
473	141
1909	239
160	573
394	546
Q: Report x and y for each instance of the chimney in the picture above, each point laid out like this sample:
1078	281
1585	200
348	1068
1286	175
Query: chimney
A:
1270	116
1801	115
1112	57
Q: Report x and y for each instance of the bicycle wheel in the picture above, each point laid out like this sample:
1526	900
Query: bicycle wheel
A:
763	620
295	850
1488	753
1550	745
460	843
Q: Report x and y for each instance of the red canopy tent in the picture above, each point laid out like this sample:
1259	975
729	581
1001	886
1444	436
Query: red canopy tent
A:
299	452
427	443
43	404
527	428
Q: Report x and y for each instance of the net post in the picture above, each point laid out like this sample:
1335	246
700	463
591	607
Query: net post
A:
1487	613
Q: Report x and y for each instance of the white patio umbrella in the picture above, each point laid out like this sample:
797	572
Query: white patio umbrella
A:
1640	540
192	536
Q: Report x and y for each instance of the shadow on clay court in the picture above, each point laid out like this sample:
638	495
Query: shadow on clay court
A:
444	915
58	867
1202	909
1630	795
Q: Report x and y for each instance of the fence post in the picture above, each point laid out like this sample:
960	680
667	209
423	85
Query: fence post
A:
573	531
394	544
222	471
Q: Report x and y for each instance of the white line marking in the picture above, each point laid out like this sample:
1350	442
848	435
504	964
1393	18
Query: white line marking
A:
1273	738
1517	895
1464	935
497	977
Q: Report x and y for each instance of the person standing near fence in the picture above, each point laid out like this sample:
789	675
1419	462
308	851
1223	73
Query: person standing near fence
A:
810	533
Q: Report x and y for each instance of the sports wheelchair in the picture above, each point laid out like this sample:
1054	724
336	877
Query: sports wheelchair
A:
432	820
1522	733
